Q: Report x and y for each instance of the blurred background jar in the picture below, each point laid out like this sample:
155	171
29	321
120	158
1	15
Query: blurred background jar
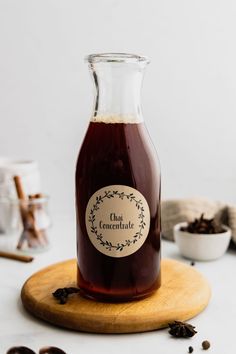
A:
29	172
26	224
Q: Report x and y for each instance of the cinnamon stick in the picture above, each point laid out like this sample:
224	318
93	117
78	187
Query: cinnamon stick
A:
16	257
26	216
19	189
36	196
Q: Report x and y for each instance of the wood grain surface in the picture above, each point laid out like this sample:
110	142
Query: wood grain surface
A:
184	293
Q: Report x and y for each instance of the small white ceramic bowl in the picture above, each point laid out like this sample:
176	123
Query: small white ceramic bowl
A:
201	247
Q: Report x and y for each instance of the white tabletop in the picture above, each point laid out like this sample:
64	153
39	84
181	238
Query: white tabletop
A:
17	327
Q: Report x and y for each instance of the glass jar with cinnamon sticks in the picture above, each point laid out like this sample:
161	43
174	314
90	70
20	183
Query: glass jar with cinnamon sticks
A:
28	223
35	220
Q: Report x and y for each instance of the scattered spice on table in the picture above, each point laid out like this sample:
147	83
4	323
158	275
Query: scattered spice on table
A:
62	294
203	226
206	345
180	329
190	349
20	350
26	350
51	350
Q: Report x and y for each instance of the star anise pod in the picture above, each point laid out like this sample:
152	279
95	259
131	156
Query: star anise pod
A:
62	294
181	329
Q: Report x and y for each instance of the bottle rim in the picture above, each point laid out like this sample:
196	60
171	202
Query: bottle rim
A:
116	58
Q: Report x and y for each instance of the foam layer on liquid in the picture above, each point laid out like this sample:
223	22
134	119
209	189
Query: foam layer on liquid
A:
116	119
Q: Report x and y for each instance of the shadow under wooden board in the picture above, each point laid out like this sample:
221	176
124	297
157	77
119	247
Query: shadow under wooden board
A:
184	294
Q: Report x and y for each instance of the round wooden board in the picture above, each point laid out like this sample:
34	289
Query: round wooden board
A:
184	293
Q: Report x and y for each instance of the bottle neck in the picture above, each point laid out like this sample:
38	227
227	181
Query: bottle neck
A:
118	89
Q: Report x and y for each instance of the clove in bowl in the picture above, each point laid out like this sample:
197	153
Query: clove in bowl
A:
201	240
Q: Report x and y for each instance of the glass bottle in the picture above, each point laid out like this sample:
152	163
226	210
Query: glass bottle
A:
118	188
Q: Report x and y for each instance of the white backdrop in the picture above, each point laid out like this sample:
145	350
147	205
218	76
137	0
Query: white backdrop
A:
189	93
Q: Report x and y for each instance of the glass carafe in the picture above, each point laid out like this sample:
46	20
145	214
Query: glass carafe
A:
117	188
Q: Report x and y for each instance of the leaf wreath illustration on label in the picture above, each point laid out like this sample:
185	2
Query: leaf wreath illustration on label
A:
117	220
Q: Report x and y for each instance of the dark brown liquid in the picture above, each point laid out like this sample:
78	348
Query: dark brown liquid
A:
118	154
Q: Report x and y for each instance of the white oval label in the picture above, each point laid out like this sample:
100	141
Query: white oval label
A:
117	220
